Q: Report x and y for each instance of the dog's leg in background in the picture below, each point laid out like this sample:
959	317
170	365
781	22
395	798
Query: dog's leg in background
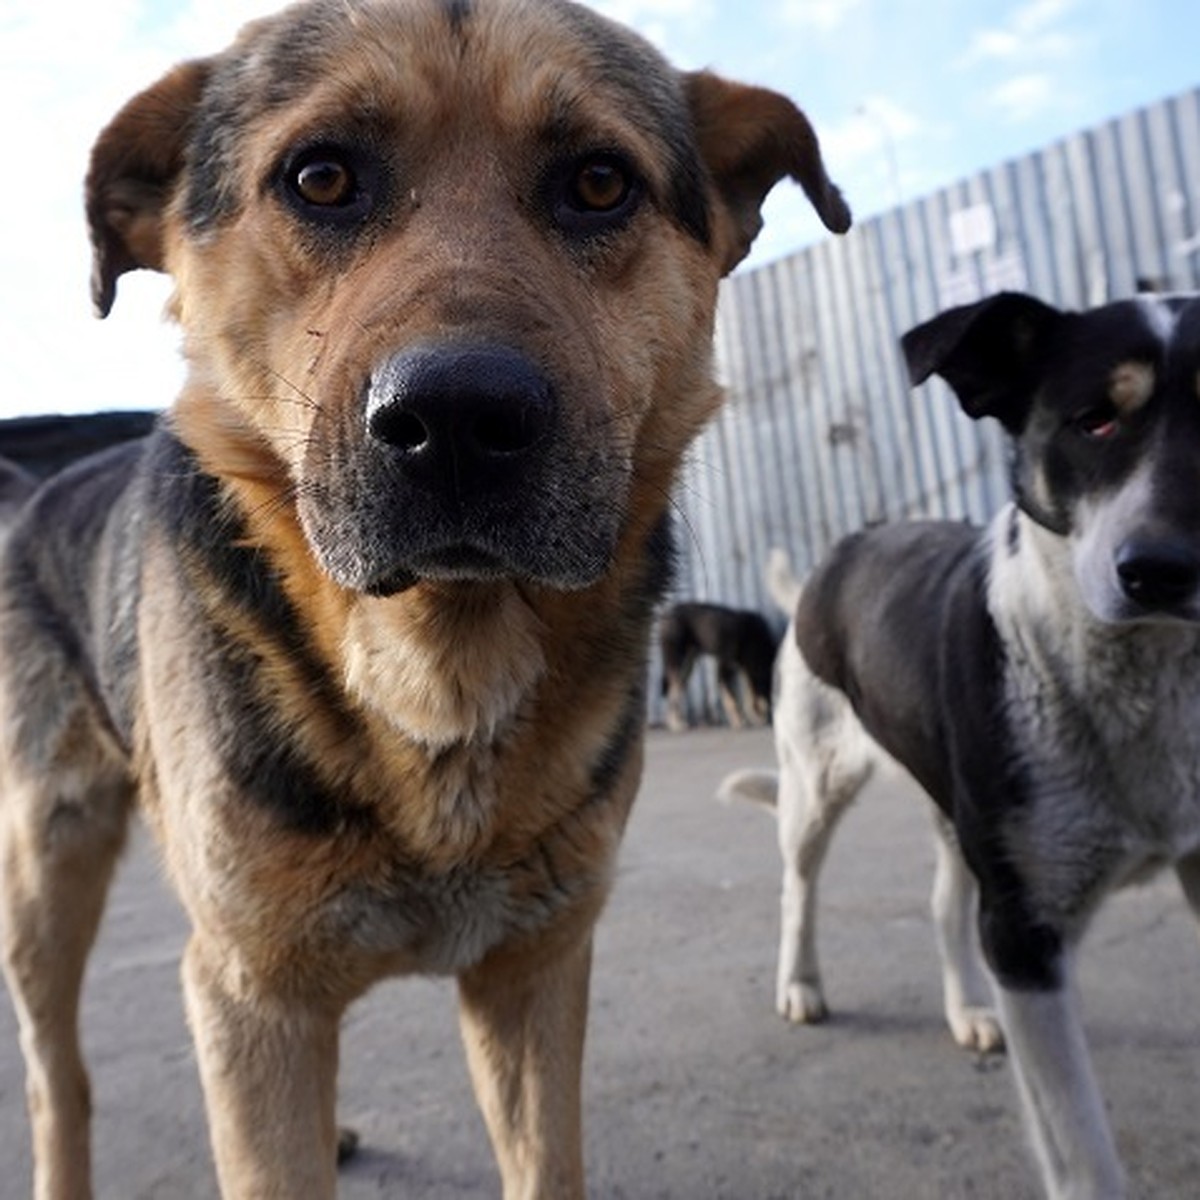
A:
727	685
966	986
58	847
676	721
1063	1107
523	1027
269	1069
1188	871
677	675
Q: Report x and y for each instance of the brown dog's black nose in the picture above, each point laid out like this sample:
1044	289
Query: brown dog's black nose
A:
461	415
1158	574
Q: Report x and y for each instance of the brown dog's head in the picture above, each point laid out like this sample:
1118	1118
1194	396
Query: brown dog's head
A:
446	270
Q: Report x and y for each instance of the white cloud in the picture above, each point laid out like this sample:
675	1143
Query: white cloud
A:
663	22
988	44
638	12
679	28
820	15
1033	31
1038	15
1022	97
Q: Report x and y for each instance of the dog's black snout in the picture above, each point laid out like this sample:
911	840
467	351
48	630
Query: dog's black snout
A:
1158	574
473	407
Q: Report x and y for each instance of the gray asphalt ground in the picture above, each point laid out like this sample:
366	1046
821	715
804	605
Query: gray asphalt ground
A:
694	1089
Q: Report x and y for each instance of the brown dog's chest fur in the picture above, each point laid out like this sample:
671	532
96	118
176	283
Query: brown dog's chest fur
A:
463	756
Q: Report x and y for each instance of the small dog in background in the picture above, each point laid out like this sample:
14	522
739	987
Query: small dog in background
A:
1039	678
742	643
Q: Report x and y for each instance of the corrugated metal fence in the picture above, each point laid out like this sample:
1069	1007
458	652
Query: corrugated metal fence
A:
821	433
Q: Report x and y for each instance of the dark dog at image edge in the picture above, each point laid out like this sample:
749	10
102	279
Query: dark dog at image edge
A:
362	627
743	645
1039	678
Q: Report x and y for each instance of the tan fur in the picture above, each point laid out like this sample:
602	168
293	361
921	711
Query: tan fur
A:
474	735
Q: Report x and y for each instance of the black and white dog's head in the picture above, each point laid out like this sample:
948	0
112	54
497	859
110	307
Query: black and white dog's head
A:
1103	408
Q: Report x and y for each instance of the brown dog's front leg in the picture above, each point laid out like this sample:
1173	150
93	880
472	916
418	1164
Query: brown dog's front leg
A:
523	1023
269	1069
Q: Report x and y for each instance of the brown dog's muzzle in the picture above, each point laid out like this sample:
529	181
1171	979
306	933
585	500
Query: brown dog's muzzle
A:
461	463
462	419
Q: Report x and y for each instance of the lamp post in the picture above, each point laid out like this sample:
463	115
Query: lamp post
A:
889	147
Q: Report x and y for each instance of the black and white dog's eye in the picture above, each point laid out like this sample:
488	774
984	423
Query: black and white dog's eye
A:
1098	424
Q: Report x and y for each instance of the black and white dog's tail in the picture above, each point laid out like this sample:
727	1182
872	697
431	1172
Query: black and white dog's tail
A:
782	585
752	784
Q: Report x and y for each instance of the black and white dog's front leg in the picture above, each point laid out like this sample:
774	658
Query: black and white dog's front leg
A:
1063	1107
1188	870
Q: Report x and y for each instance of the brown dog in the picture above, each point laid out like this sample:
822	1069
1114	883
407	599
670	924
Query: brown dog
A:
362	628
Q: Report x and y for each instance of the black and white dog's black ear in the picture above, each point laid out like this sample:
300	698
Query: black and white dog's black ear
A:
989	353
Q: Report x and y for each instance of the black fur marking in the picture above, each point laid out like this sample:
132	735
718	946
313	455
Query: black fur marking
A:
79	599
1012	534
612	760
45	444
264	75
662	562
259	755
658	567
1024	955
457	13
635	70
688	200
987	785
258	750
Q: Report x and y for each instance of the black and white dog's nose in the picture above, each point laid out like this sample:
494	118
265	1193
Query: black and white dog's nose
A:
1158	574
461	415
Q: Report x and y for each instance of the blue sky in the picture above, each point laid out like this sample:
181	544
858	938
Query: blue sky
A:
907	96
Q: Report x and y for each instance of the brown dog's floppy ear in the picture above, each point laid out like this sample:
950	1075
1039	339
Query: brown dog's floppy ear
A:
989	353
134	165
750	139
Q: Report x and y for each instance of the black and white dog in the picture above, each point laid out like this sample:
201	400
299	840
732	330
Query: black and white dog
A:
1040	678
739	639
826	758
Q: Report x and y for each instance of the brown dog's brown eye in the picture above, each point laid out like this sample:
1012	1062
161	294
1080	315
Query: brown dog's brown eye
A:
325	183
594	194
601	186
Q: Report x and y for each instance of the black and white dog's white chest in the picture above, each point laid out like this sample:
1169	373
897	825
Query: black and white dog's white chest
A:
1105	725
